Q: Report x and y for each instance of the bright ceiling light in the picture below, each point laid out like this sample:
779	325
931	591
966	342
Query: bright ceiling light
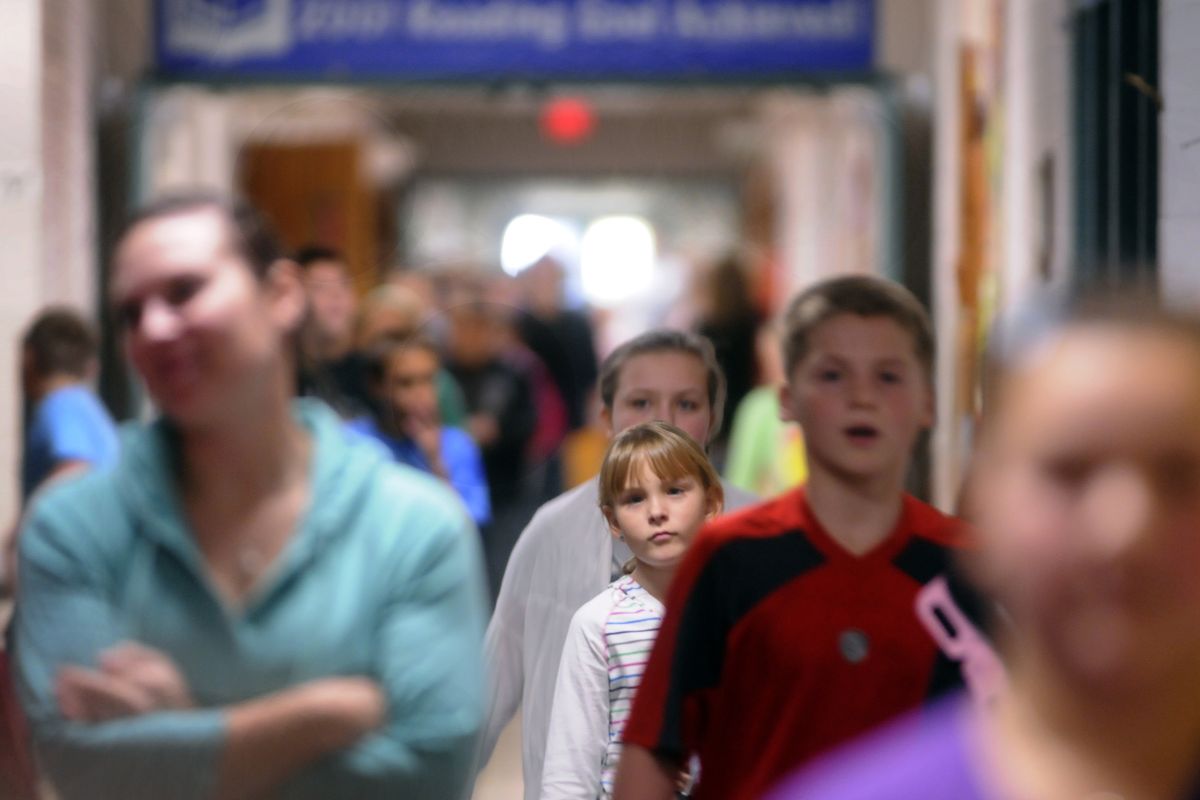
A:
617	259
529	237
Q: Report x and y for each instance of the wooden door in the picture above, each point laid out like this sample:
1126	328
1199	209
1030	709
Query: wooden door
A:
314	194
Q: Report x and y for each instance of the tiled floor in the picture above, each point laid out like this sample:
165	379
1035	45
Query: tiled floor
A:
501	779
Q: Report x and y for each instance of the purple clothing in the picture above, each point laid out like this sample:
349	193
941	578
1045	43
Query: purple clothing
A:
926	755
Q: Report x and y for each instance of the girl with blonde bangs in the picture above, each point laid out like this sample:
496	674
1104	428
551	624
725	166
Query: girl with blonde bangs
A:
657	489
668	452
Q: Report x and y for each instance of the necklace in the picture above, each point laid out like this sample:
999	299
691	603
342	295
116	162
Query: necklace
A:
251	560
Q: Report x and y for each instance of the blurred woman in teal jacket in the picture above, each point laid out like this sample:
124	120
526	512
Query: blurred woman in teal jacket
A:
250	603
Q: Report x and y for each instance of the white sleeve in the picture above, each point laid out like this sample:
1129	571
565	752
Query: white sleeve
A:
579	719
504	642
506	674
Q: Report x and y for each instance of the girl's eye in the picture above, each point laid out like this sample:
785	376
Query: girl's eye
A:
890	377
689	405
180	291
129	314
829	375
639	402
1067	472
631	499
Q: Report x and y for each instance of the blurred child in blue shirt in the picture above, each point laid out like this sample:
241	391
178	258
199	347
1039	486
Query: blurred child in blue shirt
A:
67	427
403	376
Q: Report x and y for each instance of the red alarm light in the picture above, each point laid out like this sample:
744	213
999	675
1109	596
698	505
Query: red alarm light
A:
567	120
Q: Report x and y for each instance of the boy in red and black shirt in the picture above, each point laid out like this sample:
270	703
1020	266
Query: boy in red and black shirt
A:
790	626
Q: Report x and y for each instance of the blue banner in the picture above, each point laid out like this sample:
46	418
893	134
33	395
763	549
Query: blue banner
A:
487	39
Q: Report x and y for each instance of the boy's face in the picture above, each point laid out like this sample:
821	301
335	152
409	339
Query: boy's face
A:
410	384
861	396
669	386
331	295
1088	489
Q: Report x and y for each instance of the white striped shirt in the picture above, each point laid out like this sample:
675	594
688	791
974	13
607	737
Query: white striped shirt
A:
607	648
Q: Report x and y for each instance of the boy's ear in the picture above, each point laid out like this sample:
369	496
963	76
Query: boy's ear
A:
785	403
606	420
929	412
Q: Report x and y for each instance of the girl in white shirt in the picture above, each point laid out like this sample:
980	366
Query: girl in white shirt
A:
657	488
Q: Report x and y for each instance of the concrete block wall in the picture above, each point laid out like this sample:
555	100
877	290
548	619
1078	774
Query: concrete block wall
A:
20	219
47	192
1037	120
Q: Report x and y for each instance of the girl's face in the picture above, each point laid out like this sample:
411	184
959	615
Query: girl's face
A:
410	384
1089	499
669	386
659	518
202	331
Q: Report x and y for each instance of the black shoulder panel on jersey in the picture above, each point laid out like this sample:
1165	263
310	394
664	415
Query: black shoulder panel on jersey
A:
922	560
736	578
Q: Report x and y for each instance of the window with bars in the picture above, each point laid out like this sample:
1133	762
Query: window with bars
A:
1116	130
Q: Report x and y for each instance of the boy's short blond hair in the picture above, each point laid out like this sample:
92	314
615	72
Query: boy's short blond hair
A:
864	295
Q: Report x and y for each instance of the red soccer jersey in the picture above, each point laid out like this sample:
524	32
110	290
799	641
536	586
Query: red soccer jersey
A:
778	643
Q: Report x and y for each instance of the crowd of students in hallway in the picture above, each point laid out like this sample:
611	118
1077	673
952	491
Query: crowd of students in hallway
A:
251	599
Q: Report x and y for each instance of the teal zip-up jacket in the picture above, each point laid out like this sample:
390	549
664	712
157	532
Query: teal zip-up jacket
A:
382	579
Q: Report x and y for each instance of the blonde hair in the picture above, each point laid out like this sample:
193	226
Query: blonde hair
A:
387	311
861	295
669	452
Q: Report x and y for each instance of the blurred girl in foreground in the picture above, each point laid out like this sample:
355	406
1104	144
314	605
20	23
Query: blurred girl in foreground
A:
657	488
